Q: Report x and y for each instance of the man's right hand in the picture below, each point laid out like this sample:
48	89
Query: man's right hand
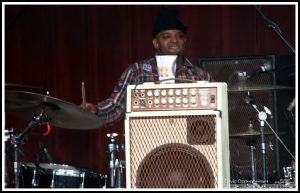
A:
89	106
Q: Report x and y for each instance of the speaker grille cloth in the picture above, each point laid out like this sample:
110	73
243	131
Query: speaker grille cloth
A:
173	152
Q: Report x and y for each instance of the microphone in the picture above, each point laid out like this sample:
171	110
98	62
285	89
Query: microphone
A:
47	155
262	69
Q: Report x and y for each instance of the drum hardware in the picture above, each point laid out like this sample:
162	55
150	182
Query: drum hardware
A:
52	180
59	176
244	86
8	134
289	177
60	113
43	109
16	140
44	153
116	166
262	116
251	136
251	143
82	175
105	181
35	179
289	173
112	148
120	165
123	141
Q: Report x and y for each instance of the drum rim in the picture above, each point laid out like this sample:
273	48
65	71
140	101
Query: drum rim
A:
51	166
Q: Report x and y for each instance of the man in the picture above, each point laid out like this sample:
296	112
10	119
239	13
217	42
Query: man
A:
169	38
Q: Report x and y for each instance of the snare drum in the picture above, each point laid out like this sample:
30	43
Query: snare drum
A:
58	176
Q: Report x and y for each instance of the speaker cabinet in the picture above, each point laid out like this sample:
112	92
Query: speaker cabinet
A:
177	145
226	69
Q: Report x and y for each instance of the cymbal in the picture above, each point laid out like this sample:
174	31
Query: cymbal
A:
61	114
11	84
255	87
250	133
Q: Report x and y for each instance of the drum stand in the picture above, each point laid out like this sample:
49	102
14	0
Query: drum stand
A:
251	141
16	140
116	166
112	148
7	136
120	165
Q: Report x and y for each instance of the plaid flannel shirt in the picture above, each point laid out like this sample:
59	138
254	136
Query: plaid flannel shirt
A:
113	109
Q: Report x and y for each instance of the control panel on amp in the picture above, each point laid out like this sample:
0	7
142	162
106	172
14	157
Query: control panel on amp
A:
175	97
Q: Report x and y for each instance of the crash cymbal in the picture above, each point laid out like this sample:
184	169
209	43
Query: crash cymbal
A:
248	133
251	133
61	114
255	87
11	84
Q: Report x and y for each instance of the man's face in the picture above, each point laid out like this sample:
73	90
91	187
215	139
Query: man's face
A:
170	42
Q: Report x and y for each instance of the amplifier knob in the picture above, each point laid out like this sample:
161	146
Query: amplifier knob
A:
171	92
149	93
178	101
156	93
185	92
193	100
185	100
177	92
193	92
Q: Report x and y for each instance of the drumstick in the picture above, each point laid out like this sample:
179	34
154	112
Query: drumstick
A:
83	94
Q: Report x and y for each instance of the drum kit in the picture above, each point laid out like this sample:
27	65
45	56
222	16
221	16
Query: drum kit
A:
46	175
251	136
46	110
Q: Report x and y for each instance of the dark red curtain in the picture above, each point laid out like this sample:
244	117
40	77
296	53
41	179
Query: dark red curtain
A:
56	47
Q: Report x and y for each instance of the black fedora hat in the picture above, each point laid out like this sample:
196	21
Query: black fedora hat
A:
167	19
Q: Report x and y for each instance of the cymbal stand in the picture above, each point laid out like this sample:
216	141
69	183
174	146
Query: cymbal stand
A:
16	140
112	148
120	166
251	141
253	165
7	136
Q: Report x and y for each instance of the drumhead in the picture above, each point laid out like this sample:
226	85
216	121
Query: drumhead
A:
56	169
51	166
60	176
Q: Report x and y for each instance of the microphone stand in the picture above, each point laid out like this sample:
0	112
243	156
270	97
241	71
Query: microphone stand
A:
262	118
277	30
275	27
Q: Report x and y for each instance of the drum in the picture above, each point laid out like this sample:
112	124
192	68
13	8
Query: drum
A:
59	176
